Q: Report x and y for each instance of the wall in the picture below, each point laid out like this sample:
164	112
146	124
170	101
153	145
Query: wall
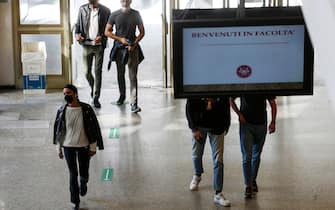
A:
320	18
6	53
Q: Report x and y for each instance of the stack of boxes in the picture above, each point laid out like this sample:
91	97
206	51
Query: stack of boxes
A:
34	67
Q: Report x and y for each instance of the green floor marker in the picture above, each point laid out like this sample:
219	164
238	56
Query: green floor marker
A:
107	174
114	133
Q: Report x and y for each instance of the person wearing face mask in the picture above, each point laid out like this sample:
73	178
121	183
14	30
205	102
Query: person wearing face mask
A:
77	132
90	33
126	49
209	117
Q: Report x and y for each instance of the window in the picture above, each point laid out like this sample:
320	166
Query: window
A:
53	48
40	12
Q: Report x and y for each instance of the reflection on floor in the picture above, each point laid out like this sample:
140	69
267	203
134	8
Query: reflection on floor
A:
151	159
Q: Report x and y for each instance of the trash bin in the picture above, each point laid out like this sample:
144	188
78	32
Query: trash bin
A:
34	67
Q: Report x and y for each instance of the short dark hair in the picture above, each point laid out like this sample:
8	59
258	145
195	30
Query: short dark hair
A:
72	87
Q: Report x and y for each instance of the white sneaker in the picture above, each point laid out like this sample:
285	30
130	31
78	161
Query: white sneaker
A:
194	185
221	200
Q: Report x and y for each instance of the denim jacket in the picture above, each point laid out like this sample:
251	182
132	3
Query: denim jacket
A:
91	126
125	54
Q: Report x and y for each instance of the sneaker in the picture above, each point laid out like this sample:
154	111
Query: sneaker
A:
221	200
121	99
194	185
83	189
254	187
248	192
96	103
135	108
75	206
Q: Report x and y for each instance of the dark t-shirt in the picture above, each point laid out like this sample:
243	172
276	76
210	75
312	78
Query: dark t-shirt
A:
253	108
125	23
216	120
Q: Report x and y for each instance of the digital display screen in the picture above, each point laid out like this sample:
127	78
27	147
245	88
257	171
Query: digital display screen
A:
242	56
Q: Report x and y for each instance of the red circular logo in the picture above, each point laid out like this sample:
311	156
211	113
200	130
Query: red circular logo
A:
244	71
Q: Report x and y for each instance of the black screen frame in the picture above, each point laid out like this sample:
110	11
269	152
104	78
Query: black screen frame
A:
268	20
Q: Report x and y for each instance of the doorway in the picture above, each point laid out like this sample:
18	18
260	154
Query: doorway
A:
150	72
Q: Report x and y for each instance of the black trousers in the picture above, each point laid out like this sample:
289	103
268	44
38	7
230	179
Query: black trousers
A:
72	154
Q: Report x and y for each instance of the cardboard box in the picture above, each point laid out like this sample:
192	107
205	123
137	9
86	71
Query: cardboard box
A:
33	58
34	68
33	51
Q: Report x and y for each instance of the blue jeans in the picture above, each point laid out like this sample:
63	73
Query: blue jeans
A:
71	155
217	145
252	138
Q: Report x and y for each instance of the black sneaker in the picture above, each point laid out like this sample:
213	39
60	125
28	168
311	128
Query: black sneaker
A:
254	187
76	206
248	192
83	189
121	99
96	103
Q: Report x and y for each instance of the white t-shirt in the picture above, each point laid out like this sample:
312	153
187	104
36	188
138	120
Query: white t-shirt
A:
94	24
75	133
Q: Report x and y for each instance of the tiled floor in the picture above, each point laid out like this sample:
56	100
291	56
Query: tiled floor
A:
152	158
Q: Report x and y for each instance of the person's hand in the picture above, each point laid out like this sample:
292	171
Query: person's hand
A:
79	38
91	153
197	135
98	39
60	155
272	127
124	41
241	118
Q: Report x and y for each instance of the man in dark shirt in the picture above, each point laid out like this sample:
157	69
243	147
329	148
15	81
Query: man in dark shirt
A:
253	128
209	116
126	20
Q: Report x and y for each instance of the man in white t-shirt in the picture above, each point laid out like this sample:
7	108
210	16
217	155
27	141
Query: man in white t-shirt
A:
90	33
77	132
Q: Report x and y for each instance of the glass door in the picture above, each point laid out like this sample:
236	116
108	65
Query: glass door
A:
47	21
150	73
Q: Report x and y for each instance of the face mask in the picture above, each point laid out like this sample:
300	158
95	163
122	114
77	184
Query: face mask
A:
93	1
68	99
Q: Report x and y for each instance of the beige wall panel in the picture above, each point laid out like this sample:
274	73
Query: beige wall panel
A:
7	74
